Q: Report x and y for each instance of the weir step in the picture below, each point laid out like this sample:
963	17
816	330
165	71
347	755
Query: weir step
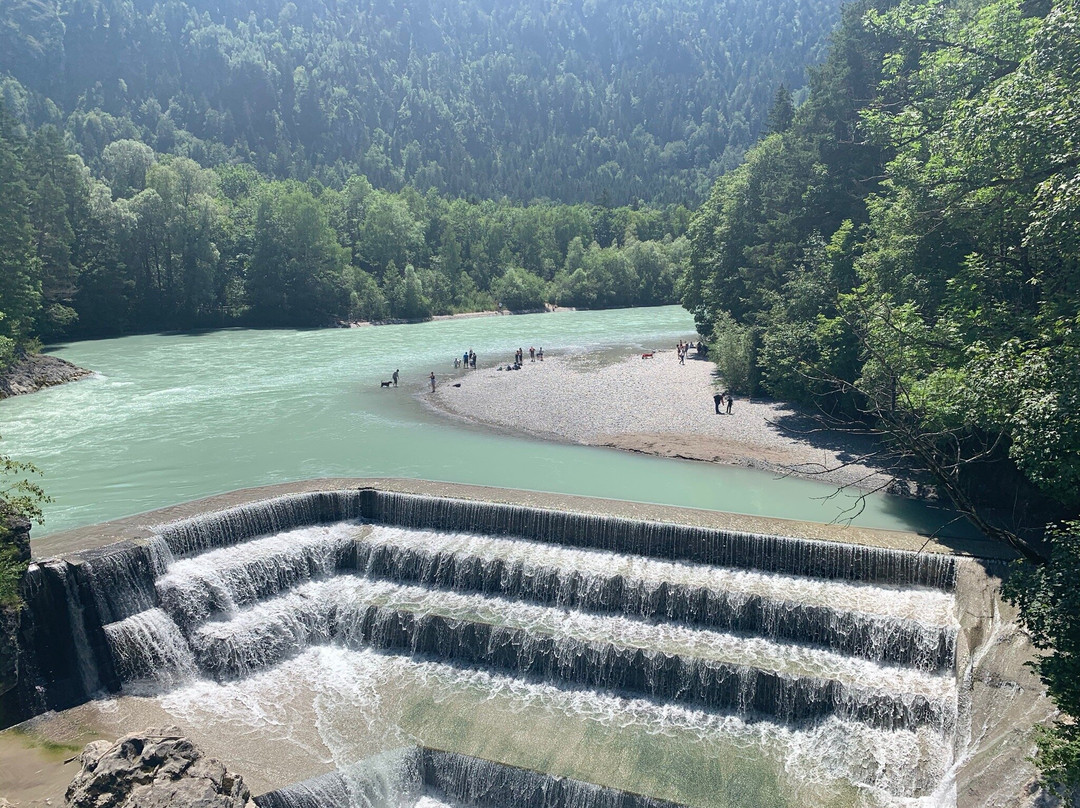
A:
462	780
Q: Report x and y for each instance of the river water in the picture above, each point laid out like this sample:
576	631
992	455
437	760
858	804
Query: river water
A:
173	417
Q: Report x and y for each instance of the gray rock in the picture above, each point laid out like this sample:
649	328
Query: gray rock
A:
157	768
32	372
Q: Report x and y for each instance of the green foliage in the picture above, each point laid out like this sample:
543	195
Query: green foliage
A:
173	245
732	347
297	271
950	288
12	568
519	290
1031	391
20	284
1049	602
19	495
20	498
406	294
601	101
905	253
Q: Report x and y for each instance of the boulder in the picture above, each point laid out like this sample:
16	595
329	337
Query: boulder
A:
157	768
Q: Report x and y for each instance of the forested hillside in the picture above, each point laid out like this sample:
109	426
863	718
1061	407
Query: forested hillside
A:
902	253
160	242
607	101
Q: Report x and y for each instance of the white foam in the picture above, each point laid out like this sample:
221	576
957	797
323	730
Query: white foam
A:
930	606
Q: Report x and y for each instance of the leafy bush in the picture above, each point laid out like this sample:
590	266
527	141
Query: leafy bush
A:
732	348
20	498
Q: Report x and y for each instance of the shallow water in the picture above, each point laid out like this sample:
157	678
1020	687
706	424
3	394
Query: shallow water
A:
365	702
174	417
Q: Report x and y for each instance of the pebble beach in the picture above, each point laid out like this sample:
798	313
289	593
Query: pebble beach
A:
655	406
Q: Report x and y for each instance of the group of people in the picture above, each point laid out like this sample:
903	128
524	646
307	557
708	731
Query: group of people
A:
519	355
719	400
468	359
683	348
519	358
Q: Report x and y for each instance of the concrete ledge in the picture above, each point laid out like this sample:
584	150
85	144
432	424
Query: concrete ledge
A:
139	526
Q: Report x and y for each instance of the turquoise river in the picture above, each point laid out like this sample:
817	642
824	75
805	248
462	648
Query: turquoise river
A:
173	417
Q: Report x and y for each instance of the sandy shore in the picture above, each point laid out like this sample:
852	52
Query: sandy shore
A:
659	407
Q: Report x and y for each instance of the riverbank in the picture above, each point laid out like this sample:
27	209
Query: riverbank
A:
35	372
659	407
464	315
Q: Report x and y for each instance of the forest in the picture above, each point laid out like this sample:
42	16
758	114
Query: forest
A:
900	254
160	242
603	101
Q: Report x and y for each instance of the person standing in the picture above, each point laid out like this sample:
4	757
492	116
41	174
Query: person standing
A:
540	353
532	354
729	400
431	379
717	400
395	377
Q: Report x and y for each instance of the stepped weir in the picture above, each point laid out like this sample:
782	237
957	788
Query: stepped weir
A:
446	776
724	633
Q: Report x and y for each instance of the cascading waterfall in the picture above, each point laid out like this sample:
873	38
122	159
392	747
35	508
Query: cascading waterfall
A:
766	628
149	646
84	655
781	554
225	579
190	536
606	582
121	577
668	662
485	784
428	778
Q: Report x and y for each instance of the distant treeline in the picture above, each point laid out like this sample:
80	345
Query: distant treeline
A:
160	242
605	101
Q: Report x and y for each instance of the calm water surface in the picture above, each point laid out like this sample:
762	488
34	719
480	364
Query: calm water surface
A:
174	417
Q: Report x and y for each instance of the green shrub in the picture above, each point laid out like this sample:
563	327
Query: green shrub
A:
732	348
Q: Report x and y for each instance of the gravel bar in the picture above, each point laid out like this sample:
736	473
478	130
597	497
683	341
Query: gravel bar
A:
656	406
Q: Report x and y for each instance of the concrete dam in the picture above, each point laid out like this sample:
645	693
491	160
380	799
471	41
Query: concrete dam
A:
361	645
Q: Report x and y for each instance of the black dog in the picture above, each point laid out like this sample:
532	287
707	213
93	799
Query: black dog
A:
385	384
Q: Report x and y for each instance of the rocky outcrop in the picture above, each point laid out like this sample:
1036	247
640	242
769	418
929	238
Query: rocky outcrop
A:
32	372
157	768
